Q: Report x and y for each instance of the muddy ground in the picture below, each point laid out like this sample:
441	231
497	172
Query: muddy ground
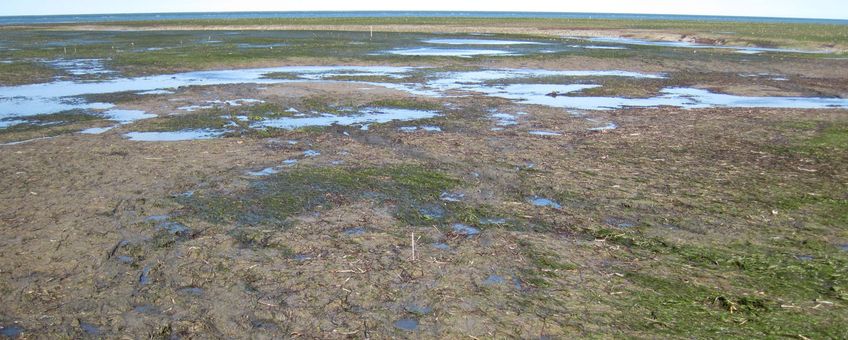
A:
706	223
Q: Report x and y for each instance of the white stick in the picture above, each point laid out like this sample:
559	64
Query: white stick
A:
413	246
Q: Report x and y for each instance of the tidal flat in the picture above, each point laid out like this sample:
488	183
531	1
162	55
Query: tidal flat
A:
424	178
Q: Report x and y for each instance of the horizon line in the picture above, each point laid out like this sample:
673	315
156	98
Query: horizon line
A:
430	11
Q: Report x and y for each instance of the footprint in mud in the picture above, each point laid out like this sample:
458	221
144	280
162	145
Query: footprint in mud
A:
516	282
144	277
804	258
193	291
417	309
357	231
432	212
407	324
263	172
463	229
146	309
425	128
492	221
265	325
544	202
302	257
441	246
527	166
125	259
89	328
186	194
175	228
12	332
610	126
156	218
493	280
452	196
619	222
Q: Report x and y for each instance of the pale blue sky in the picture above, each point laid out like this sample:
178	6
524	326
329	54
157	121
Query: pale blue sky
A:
832	9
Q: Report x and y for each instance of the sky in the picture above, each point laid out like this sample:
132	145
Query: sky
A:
824	9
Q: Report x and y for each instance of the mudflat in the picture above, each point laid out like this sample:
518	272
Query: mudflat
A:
423	178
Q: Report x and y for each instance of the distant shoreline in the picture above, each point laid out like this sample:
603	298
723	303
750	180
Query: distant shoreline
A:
105	18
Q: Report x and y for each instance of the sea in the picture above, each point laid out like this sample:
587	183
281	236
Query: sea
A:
99	18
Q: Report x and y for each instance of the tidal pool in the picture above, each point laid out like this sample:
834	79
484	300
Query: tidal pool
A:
220	103
96	130
366	116
57	96
687	98
407	324
463	229
174	136
155	92
268	46
686	44
80	67
493	280
610	126
425	128
480	42
264	172
599	47
10	122
504	119
544	202
544	133
447	52
127	116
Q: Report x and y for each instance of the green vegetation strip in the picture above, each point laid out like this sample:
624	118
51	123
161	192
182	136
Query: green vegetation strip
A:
734	290
822	33
24	72
293	192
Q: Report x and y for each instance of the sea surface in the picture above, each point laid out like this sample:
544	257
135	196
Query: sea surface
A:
91	18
